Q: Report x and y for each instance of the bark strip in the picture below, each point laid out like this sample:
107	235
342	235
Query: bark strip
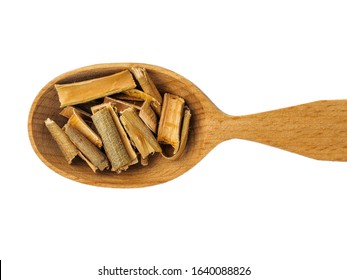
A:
170	121
82	92
111	139
87	148
148	87
65	145
78	123
139	133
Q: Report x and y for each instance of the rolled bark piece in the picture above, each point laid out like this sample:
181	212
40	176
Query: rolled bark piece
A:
64	143
170	121
136	94
88	149
121	105
148	87
125	139
126	142
111	139
98	107
139	133
77	122
90	164
81	92
68	111
148	116
184	136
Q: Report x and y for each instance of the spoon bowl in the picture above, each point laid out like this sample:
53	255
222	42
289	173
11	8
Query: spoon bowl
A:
46	105
317	130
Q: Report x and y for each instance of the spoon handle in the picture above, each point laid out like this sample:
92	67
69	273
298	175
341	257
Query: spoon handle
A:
317	130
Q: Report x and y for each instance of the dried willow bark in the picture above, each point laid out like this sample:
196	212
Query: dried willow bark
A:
69	110
136	95
148	116
121	105
90	164
77	122
148	87
88	149
139	133
81	92
125	97
129	148
184	136
96	108
113	144
65	145
86	106
170	121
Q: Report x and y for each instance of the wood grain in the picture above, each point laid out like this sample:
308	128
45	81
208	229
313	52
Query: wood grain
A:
317	130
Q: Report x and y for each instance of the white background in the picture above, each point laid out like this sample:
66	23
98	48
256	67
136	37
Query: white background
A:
245	204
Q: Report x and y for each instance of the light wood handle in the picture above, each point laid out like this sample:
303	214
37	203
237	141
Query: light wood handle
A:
317	130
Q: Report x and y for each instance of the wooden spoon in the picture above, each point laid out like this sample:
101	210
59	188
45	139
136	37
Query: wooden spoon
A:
317	130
